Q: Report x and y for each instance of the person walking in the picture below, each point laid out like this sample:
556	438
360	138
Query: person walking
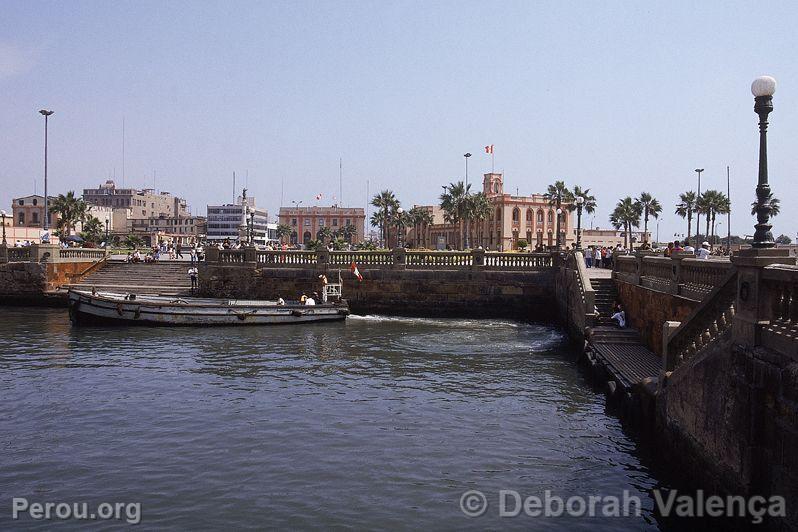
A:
597	256
193	256
179	250
608	258
589	257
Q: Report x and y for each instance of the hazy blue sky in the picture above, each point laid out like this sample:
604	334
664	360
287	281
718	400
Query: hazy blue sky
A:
621	97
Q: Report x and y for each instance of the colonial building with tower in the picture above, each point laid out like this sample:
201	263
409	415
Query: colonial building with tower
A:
512	218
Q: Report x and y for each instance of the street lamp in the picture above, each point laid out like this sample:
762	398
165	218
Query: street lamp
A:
46	220
763	89
400	211
466	155
252	226
107	224
559	213
3	214
580	201
698	212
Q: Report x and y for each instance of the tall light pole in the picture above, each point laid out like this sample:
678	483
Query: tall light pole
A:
46	219
763	89
698	212
3	214
468	222
559	240
107	224
580	201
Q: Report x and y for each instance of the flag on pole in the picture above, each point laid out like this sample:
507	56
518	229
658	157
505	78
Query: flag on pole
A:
489	149
318	197
356	272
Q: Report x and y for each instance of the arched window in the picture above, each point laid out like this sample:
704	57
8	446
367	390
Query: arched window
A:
516	214
540	216
529	215
35	201
496	188
551	217
306	237
294	237
498	213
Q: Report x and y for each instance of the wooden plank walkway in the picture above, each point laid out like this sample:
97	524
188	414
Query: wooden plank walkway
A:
624	356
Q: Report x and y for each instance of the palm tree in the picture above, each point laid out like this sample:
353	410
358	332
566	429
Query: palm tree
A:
775	206
283	231
454	204
70	210
719	204
385	201
348	232
704	206
649	206
133	241
626	215
400	221
480	208
556	195
589	204
324	234
92	230
414	218
686	207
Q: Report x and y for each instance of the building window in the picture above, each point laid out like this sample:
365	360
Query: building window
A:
35	217
516	214
35	201
21	202
551	216
529	215
321	222
496	188
348	221
540	217
293	222
498	213
306	237
307	222
22	218
335	222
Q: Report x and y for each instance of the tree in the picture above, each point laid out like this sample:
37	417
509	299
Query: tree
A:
283	231
92	230
70	210
648	206
133	241
686	208
349	232
454	202
556	195
775	205
784	240
719	204
324	234
401	221
425	220
414	218
626	215
386	202
589	204
479	209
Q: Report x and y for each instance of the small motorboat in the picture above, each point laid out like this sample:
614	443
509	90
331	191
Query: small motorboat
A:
93	307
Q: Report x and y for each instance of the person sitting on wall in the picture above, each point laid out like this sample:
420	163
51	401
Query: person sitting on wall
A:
280	302
303	299
619	316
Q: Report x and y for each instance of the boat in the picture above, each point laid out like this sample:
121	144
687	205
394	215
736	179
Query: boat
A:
93	307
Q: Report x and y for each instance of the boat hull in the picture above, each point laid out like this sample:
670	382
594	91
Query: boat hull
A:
112	309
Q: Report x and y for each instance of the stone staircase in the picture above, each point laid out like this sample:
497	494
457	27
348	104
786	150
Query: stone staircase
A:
160	278
606	296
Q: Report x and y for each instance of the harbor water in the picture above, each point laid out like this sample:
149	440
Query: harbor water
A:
375	423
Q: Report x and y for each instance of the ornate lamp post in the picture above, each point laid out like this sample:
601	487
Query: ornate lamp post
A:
698	213
107	224
46	220
466	156
3	214
400	211
559	214
763	89
580	201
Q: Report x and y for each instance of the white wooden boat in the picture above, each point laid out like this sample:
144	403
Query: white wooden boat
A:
114	308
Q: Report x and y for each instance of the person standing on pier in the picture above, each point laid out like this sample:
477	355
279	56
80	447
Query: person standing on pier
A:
193	274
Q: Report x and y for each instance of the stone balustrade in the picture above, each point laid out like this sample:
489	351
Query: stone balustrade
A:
50	253
393	259
576	297
681	274
779	321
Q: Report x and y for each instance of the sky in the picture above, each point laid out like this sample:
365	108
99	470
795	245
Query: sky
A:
618	97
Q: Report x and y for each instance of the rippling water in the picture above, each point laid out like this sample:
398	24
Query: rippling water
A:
375	423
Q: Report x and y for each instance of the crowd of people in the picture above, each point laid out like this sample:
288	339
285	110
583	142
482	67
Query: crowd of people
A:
164	250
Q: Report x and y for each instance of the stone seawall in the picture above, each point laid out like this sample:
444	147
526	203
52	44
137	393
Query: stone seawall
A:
647	309
518	294
35	283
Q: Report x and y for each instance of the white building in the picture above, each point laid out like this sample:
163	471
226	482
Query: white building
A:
232	222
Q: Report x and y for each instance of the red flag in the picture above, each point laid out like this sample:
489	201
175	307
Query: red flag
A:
318	196
355	271
489	149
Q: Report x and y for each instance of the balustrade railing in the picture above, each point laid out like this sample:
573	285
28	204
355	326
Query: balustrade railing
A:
780	330
82	253
705	324
19	254
407	259
50	253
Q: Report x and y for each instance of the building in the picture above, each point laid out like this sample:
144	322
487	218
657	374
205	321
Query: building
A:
232	222
609	237
307	222
153	230
511	219
144	203
28	211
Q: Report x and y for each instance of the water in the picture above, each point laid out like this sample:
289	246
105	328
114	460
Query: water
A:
376	423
